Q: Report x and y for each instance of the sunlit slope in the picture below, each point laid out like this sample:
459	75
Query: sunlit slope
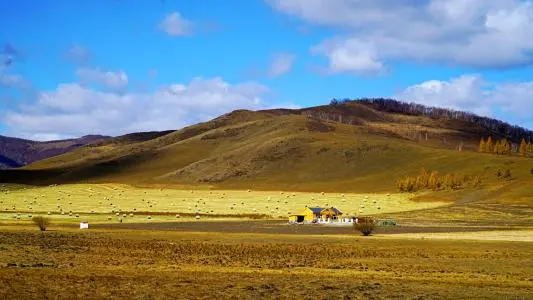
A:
277	149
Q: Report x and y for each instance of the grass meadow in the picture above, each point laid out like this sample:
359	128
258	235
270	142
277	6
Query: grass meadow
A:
104	264
108	202
152	258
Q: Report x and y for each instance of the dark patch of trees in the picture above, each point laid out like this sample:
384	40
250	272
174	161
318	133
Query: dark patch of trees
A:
496	127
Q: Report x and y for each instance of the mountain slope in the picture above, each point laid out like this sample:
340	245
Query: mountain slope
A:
348	147
15	152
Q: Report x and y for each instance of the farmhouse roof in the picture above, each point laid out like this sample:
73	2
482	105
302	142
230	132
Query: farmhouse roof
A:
336	210
316	210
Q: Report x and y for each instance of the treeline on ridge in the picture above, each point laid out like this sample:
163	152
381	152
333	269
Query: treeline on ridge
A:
497	127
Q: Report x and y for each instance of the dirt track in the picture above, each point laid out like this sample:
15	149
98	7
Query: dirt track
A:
279	227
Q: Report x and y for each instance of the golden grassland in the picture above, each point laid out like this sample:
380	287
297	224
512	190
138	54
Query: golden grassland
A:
104	264
99	202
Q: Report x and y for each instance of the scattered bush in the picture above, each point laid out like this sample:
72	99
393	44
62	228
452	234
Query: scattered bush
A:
41	222
503	173
365	225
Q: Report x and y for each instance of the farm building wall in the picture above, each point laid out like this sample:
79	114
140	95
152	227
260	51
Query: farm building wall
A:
308	214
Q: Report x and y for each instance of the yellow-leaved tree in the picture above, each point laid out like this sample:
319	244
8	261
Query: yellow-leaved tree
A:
523	148
482	147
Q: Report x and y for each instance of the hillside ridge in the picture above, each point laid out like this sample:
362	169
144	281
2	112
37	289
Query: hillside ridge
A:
349	146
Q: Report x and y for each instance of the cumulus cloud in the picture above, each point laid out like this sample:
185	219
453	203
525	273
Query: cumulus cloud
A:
475	94
473	33
72	110
281	64
175	25
350	56
113	81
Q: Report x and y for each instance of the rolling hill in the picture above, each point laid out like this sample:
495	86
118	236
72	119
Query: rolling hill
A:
345	146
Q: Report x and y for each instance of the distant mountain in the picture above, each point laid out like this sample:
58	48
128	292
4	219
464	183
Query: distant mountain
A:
15	152
363	145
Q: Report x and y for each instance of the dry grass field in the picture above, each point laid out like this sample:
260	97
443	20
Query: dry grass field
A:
99	202
111	264
470	244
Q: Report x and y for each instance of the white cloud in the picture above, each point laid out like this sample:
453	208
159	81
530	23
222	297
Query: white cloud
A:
175	25
73	110
281	64
350	56
473	33
114	81
472	93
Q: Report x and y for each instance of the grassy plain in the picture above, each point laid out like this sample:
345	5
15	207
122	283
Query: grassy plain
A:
104	264
98	202
439	255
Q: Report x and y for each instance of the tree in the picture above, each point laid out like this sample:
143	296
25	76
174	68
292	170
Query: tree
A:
41	222
523	148
506	147
489	146
434	182
482	146
365	225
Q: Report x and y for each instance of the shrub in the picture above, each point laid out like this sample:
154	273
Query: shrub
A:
365	225
505	173
41	222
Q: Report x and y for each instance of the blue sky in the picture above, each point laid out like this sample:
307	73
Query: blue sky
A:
71	68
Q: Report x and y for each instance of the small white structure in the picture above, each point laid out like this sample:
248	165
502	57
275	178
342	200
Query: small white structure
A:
84	225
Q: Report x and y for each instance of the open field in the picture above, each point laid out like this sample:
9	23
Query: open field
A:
469	245
98	202
103	264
